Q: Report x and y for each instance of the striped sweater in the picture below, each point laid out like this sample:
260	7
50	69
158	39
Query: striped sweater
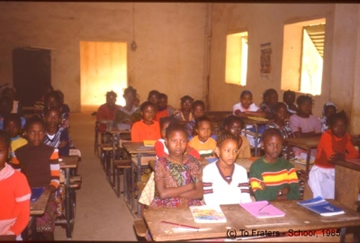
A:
276	176
206	149
40	164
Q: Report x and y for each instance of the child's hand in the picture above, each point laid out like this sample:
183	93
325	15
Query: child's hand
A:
263	186
285	190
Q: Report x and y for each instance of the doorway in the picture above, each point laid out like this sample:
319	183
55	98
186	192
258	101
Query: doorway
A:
103	67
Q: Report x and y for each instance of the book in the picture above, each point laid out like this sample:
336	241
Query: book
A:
321	206
149	143
262	209
208	214
36	193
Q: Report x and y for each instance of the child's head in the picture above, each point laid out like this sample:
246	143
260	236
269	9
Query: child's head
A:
338	124
163	101
234	125
153	97
273	144
246	98
164	123
289	97
129	95
52	117
147	111
35	130
270	97
6	106
9	92
280	111
12	125
4	148
329	109
198	108
227	148
304	103
61	95
203	128
176	139
52	99
111	98
185	103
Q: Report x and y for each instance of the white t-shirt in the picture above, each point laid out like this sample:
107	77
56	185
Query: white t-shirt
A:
238	106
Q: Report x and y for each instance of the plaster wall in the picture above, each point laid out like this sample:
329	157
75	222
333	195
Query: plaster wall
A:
170	41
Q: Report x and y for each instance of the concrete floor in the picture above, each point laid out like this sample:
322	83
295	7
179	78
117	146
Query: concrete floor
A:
100	215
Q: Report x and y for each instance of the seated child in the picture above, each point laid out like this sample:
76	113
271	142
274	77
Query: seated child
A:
164	109
160	147
289	101
64	107
235	125
11	93
40	164
197	110
246	107
271	177
14	193
304	124
107	111
6	106
224	181
153	97
281	123
335	144
56	137
202	142
147	128
270	98
126	115
329	109
184	114
178	177
12	125
53	100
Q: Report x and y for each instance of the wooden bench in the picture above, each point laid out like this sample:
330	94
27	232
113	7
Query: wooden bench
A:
121	166
140	227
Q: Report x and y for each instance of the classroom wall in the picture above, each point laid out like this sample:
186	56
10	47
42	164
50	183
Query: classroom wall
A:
170	40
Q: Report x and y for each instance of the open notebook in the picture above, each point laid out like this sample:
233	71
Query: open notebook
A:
262	209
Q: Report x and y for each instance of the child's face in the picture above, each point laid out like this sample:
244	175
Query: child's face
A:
198	111
272	99
52	119
163	129
148	113
111	100
12	128
234	128
203	130
289	99
338	128
35	134
163	103
228	152
129	98
52	102
281	113
305	107
272	147
176	142
329	111
154	99
186	105
246	100
4	153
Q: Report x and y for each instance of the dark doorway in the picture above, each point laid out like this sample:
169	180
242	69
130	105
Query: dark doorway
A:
31	73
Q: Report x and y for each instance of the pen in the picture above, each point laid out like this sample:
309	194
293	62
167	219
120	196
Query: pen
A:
264	207
182	225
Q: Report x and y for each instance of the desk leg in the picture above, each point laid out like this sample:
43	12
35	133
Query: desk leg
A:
256	139
308	162
342	234
132	186
138	180
113	160
67	202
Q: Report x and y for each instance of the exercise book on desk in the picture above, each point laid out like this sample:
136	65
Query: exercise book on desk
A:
36	193
320	206
208	214
262	209
149	143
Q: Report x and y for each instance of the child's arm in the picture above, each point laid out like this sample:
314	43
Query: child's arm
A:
208	180
293	180
54	170
196	177
196	193
259	113
351	152
135	136
258	186
169	192
159	149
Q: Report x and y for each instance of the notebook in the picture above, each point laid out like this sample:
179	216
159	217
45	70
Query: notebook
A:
262	209
208	214
149	143
36	193
320	206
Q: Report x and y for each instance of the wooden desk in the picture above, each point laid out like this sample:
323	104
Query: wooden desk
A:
347	182
304	143
138	151
296	218
38	207
255	123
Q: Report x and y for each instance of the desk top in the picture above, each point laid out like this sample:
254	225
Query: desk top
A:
347	164
38	207
68	162
258	121
115	130
304	143
138	148
296	218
